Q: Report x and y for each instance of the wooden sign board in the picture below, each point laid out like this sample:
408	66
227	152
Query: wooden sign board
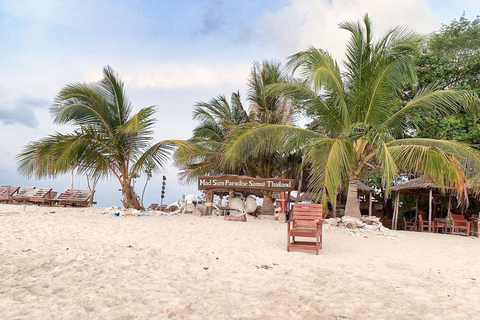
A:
245	183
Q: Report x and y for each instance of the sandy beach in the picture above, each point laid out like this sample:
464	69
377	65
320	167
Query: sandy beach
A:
83	264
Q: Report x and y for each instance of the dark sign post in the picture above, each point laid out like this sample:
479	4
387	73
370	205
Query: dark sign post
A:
163	192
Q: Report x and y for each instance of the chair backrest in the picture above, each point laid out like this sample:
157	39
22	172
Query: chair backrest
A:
70	194
83	195
8	191
27	192
307	215
153	206
42	193
457	217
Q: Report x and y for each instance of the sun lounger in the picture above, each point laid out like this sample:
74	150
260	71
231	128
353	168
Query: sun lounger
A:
7	192
74	198
42	196
153	207
23	195
306	223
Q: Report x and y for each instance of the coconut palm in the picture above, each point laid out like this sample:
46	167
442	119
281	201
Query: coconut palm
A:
358	125
108	140
218	119
203	154
269	108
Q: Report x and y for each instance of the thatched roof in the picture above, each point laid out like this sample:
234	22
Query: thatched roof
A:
417	184
425	183
363	187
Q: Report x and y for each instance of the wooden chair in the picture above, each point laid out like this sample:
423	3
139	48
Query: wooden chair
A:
441	223
423	225
409	225
306	222
460	225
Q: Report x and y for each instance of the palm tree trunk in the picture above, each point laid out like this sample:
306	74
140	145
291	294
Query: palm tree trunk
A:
352	208
130	198
267	207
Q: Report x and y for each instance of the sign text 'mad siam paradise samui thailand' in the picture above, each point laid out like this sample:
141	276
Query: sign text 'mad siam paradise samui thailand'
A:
244	182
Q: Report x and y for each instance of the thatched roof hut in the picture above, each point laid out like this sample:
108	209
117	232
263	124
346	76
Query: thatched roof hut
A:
418	184
422	186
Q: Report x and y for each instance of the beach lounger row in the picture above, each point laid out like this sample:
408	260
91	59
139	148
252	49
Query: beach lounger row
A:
6	192
45	196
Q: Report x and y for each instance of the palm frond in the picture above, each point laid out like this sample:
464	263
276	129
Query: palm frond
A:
330	160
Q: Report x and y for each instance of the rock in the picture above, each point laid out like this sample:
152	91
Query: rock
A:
332	221
242	218
352	221
351	225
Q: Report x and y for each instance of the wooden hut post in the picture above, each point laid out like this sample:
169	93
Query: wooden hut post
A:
334	208
287	214
370	204
395	211
430	200
449	205
416	209
209	202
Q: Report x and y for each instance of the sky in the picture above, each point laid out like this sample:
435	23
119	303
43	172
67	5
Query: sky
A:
171	54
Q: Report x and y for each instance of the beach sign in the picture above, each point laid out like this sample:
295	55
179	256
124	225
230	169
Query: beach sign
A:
245	183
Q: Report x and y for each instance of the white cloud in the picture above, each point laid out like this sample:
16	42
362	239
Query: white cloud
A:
184	74
304	23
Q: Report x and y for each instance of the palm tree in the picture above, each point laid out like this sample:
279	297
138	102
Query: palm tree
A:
358	125
202	154
269	108
219	119
108	139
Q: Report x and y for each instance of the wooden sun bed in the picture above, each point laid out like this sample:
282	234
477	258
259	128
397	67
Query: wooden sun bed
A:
42	196
74	198
7	192
153	207
23	195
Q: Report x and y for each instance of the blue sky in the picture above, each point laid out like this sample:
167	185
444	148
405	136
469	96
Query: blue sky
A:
170	54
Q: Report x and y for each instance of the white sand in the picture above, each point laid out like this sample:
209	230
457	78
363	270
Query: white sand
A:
81	264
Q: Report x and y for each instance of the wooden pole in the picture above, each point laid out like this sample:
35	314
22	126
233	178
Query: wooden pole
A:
288	206
395	212
335	205
430	200
300	181
370	204
449	205
209	202
416	209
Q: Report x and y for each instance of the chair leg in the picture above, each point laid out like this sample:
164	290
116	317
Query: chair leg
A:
288	242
